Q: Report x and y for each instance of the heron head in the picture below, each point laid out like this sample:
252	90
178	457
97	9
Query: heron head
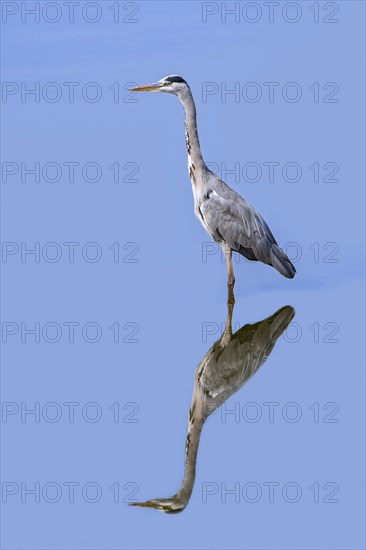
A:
171	505
172	84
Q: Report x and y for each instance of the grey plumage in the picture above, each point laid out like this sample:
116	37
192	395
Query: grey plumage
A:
225	368
228	218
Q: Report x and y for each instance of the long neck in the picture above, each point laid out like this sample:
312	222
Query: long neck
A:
196	164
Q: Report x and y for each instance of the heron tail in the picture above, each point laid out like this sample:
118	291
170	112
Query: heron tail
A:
282	263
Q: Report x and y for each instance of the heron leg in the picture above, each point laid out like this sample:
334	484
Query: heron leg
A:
231	278
231	297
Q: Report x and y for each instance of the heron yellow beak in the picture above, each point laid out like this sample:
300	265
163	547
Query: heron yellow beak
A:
149	87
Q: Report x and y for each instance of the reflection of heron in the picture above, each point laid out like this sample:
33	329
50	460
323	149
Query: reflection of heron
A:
225	215
225	368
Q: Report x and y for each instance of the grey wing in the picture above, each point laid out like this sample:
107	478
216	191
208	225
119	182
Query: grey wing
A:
232	220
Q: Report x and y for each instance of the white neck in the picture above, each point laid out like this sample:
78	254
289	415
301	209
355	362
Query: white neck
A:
196	165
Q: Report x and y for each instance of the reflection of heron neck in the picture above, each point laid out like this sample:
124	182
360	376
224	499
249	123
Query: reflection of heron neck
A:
197	419
198	413
196	164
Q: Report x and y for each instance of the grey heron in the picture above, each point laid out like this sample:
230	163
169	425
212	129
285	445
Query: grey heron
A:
228	218
225	368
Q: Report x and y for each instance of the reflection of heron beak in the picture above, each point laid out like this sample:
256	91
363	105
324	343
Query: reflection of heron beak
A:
148	87
147	504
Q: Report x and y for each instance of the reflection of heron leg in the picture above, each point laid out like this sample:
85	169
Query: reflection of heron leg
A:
227	334
229	320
